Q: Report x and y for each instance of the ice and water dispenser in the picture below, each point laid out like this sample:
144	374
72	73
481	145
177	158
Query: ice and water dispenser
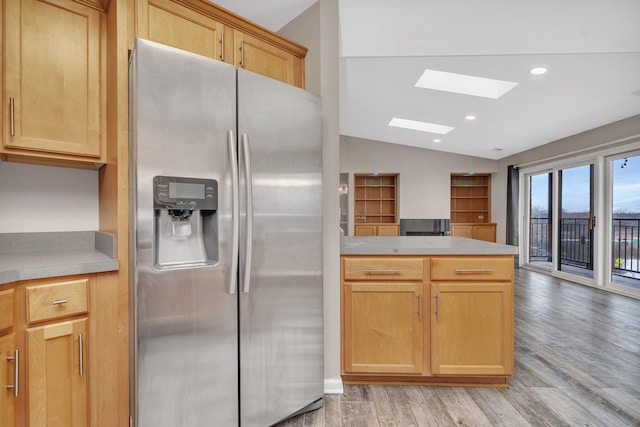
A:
185	221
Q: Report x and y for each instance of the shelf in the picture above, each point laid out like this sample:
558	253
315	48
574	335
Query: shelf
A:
375	199
470	198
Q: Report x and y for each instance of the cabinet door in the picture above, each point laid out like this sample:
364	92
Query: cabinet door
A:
7	378
472	329
462	231
387	230
167	22
383	328
485	232
53	79
57	374
263	58
365	230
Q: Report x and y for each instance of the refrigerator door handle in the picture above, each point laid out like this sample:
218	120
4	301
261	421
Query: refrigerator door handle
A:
246	154
235	213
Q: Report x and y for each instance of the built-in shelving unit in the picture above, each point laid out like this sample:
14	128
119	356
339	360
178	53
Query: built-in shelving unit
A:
375	198
471	198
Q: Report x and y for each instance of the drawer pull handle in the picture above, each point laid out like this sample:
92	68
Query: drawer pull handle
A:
437	306
12	129
80	355
383	271
16	370
420	306
222	46
60	301
474	270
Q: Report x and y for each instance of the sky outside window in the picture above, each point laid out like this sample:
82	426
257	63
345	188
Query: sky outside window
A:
626	185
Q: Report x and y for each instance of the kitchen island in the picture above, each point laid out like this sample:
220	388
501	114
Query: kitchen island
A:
432	310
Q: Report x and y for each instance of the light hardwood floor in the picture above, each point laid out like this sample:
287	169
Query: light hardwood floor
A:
577	364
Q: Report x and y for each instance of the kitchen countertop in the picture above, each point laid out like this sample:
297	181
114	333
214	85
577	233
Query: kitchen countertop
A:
422	245
25	256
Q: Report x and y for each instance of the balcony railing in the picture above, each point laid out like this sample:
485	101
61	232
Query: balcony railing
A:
575	243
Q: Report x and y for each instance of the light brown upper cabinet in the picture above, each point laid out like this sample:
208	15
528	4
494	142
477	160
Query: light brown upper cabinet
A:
202	27
54	83
167	22
255	55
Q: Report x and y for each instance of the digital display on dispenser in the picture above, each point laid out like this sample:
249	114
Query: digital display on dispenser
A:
183	190
176	192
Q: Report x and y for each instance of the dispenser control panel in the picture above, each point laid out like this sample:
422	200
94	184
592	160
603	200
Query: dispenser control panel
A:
172	192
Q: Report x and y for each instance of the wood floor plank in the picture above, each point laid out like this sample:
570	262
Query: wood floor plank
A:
600	407
498	410
401	406
383	406
359	414
356	392
532	409
624	401
427	408
565	407
461	407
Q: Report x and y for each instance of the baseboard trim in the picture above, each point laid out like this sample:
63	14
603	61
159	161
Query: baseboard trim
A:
333	386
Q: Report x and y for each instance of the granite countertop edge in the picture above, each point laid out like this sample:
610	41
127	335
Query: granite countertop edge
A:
25	256
422	245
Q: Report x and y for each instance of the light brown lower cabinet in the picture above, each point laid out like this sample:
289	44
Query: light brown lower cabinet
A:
384	332
57	374
460	332
8	376
486	232
377	230
48	332
472	329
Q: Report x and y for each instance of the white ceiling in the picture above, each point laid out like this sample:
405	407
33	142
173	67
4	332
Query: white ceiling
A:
591	48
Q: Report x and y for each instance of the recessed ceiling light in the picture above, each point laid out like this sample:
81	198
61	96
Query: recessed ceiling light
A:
437	140
470	117
538	70
464	84
421	126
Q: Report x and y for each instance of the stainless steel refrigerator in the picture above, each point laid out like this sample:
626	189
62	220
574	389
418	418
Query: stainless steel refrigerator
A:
226	243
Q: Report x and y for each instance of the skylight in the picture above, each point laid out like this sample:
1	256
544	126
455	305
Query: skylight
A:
464	84
421	126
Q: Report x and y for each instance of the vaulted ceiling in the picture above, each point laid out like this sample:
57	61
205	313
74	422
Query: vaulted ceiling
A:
591	49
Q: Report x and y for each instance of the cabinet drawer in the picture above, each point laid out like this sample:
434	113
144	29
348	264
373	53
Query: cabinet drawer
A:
472	268
383	269
6	308
56	300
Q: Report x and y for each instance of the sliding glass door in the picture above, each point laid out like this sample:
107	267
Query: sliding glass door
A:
560	221
576	220
540	209
581	219
624	211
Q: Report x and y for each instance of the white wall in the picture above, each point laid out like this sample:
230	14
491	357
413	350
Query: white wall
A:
305	29
317	28
425	175
37	198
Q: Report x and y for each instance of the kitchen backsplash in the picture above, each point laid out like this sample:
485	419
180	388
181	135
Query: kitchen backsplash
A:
37	198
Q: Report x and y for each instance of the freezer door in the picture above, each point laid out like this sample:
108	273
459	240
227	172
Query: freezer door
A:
281	337
185	349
